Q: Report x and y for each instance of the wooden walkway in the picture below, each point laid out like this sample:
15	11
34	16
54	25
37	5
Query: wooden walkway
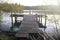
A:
28	25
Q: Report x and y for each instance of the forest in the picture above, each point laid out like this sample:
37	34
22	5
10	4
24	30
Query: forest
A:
6	7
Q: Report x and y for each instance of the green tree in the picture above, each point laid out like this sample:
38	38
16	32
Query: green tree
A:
0	13
15	8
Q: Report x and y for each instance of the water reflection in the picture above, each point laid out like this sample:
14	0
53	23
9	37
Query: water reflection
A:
6	25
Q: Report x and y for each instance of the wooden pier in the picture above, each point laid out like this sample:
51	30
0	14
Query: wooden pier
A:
28	25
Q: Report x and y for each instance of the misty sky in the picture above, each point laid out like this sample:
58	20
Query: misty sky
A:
34	2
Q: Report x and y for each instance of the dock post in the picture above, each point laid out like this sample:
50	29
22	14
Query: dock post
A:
45	21
41	17
36	17
12	21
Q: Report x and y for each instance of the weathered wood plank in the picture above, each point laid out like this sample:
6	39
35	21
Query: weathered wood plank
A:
28	25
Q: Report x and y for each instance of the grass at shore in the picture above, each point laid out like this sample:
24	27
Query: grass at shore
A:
6	38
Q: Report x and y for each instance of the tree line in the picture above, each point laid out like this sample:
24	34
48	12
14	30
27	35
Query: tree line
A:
11	7
6	7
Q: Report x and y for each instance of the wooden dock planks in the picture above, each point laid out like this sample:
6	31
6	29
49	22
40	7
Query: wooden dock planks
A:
28	25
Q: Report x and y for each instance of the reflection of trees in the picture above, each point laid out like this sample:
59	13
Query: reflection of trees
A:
55	19
0	17
15	8
0	14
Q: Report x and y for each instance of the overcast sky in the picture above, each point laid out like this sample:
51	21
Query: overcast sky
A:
34	2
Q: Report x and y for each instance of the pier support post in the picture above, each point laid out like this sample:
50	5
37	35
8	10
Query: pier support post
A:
45	21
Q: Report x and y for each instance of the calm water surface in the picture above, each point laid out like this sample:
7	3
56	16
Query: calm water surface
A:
6	25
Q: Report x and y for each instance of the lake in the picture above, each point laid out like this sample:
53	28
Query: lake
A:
6	25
